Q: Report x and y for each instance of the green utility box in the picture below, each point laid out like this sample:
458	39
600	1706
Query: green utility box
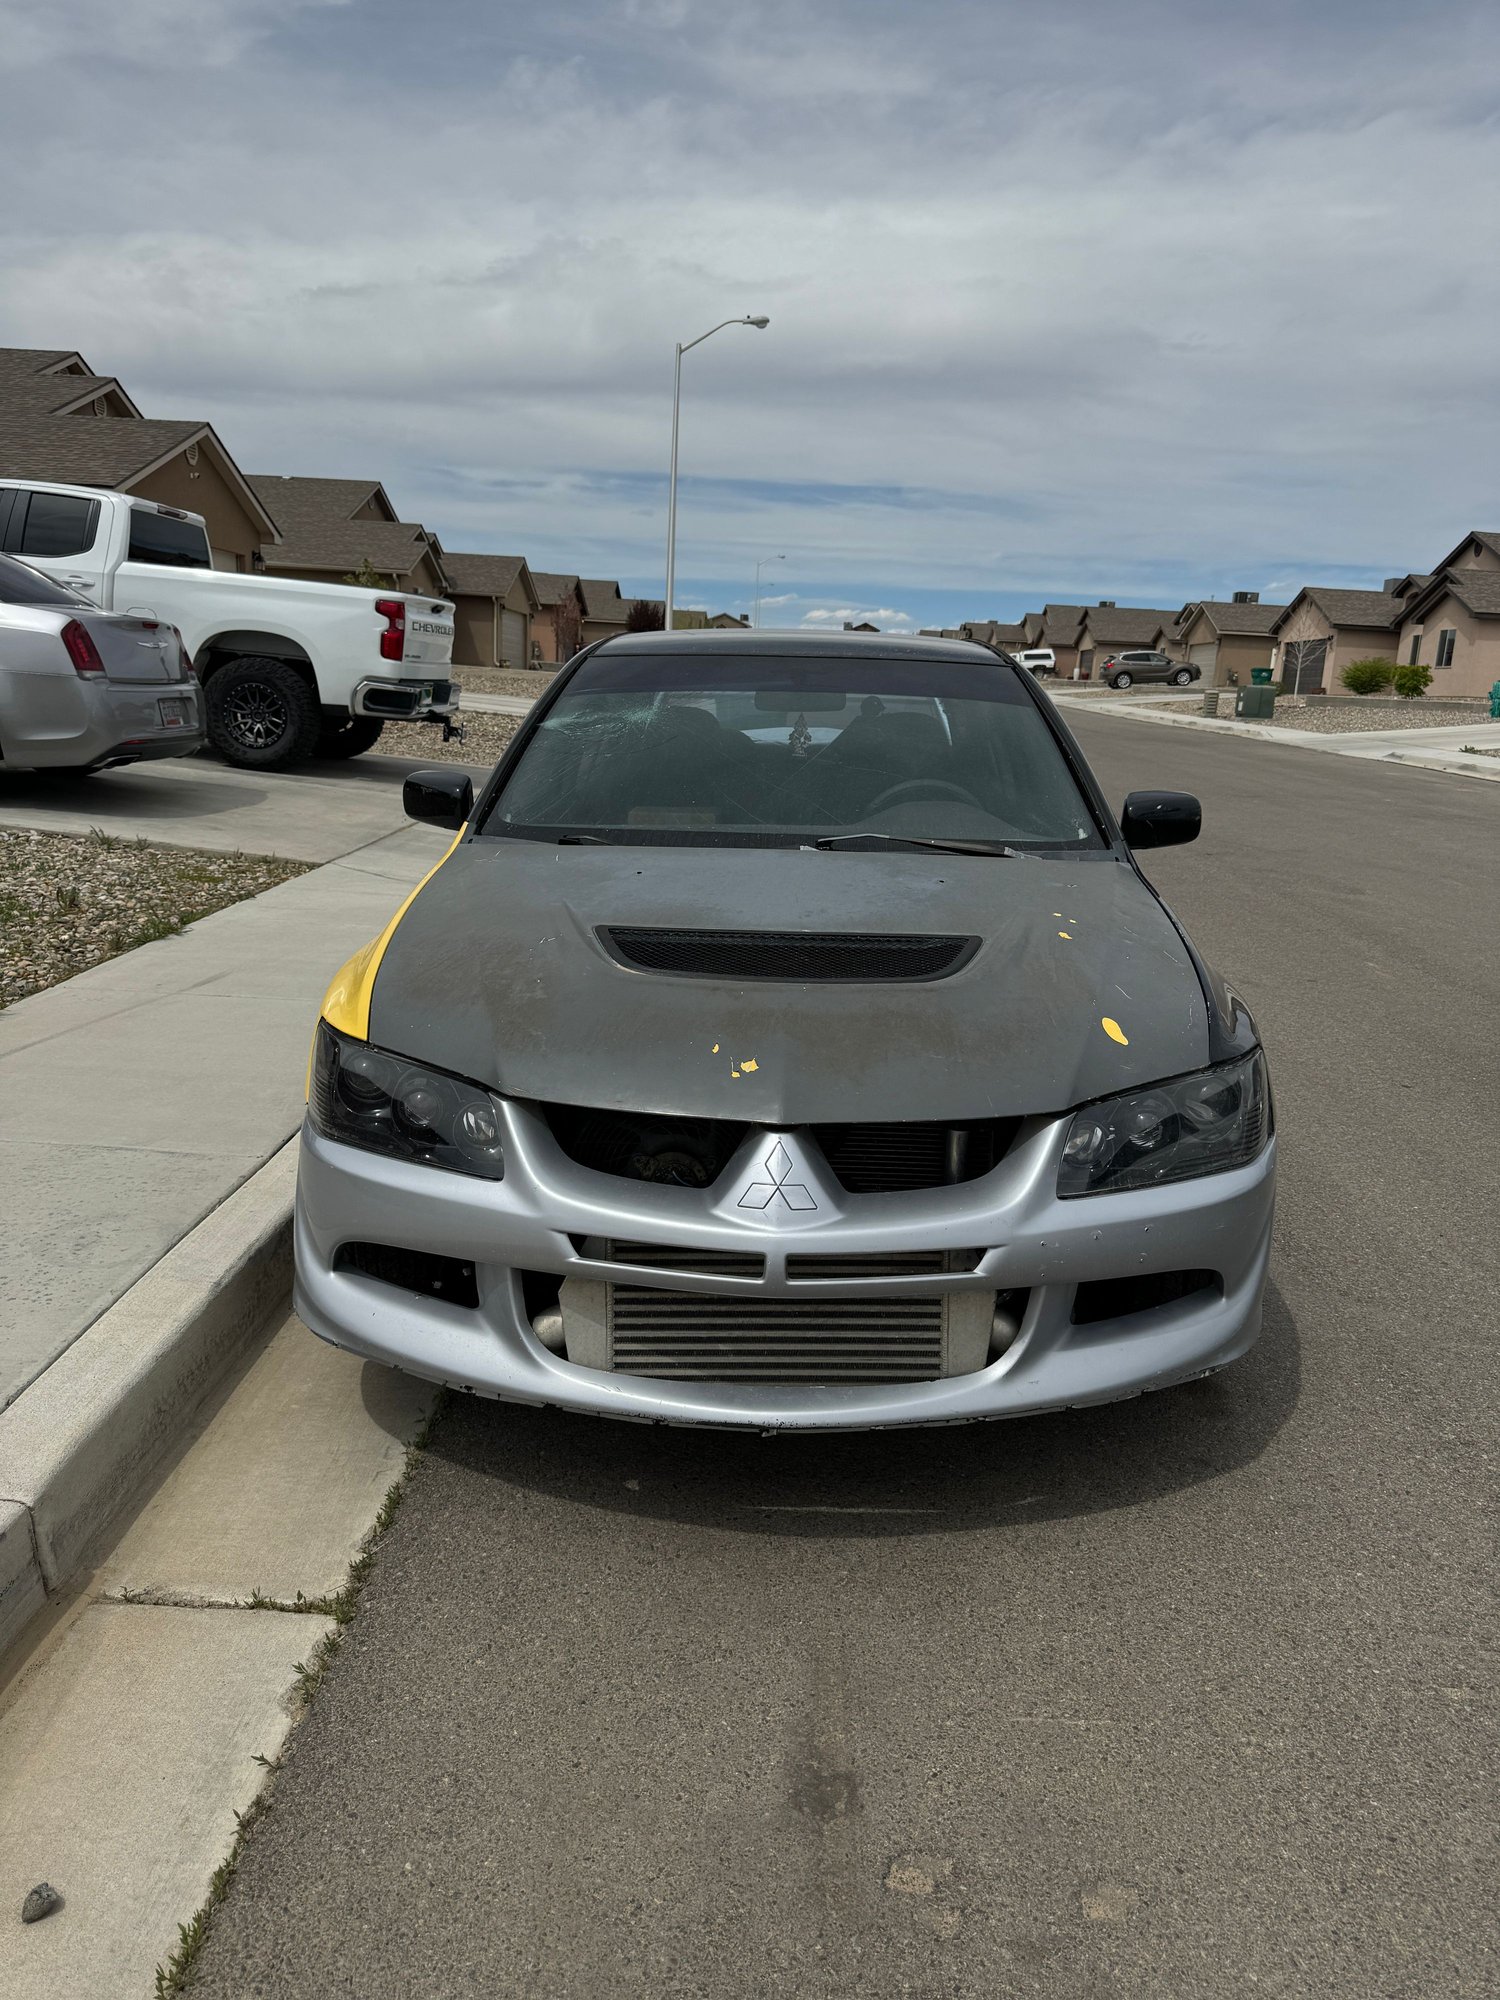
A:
1260	677
1255	704
1495	701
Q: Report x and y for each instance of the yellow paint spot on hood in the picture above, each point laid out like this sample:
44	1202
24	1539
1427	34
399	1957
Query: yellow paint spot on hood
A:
751	1065
1115	1032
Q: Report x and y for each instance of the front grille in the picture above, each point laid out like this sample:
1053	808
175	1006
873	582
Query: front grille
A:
901	1156
790	955
690	1337
411	1271
681	1257
641	1146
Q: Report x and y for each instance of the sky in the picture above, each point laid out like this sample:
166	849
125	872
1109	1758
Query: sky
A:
1148	303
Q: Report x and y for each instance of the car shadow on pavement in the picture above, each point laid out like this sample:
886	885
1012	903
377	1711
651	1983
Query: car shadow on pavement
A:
881	1483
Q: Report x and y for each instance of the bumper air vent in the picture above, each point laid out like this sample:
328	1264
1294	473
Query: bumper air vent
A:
896	1158
852	1268
788	955
1118	1298
411	1271
678	1257
690	1337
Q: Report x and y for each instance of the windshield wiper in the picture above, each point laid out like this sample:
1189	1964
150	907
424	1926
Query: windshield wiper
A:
583	840
992	847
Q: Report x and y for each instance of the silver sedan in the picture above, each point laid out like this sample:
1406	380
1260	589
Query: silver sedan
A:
82	689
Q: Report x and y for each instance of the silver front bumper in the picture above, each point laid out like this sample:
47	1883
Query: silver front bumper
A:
536	1220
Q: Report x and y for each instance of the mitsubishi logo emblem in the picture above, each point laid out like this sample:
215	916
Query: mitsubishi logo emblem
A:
778	1164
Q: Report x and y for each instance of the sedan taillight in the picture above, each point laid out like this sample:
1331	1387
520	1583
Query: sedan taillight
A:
393	638
190	672
82	651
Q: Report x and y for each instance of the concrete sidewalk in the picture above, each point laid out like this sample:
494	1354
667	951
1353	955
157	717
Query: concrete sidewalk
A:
137	1096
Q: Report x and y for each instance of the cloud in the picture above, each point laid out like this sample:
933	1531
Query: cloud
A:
1164	309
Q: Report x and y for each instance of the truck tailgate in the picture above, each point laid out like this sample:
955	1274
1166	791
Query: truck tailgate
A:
429	632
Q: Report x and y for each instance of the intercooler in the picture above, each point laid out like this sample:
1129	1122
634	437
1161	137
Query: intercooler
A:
808	1335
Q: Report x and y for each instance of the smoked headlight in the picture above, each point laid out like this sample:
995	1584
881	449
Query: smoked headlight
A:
365	1097
1201	1124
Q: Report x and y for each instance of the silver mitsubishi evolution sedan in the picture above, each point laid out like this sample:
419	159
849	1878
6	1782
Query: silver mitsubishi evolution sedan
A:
788	1040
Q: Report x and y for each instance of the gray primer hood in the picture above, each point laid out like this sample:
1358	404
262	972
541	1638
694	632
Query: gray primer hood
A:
496	973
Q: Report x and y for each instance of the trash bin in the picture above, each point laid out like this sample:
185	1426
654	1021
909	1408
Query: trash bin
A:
1255	704
1495	701
1260	677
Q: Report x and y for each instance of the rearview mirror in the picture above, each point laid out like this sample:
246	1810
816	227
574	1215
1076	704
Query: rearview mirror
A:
1160	819
438	798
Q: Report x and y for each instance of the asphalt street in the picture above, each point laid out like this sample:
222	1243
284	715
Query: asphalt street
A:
1188	1696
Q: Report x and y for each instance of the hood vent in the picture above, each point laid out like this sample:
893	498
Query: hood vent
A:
789	955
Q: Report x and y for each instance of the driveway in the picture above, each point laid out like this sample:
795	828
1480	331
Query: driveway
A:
315	812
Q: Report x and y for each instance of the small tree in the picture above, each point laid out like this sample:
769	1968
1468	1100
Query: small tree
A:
646	615
1412	681
569	626
367	577
1367	676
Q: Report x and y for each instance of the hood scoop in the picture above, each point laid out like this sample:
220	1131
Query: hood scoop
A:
826	956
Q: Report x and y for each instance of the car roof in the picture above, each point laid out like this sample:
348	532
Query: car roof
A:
803	645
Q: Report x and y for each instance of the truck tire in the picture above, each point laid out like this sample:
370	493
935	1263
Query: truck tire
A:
262	715
350	736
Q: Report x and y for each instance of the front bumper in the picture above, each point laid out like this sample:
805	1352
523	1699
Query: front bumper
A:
538	1217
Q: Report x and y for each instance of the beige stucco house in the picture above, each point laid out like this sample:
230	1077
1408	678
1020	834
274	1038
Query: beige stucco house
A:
62	423
494	603
557	622
1226	640
1453	626
1322	631
604	609
333	528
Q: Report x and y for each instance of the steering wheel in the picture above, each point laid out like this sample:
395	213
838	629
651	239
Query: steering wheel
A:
926	788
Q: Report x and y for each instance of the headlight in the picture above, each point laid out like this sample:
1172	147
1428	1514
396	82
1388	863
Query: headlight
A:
1202	1124
364	1097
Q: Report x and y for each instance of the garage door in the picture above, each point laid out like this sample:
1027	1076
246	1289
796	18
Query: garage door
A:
1204	656
513	638
1302	664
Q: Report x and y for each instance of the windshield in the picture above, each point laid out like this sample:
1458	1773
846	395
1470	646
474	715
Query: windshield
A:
747	750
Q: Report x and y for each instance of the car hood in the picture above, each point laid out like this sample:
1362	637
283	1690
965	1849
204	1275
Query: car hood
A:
496	972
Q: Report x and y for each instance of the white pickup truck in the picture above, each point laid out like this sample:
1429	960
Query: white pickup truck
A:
289	670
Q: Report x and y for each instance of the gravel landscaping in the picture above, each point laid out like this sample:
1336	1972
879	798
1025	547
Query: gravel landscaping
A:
1348	718
496	680
485	738
68	903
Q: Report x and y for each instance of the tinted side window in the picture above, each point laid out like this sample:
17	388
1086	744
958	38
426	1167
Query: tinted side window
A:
21	584
5	503
57	524
161	538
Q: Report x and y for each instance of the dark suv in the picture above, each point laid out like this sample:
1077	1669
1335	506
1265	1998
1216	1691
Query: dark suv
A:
1123	670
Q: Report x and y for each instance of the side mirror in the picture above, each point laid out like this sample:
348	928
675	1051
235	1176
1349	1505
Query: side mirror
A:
1158	819
438	797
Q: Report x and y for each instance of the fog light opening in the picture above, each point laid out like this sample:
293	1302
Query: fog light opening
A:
1005	1326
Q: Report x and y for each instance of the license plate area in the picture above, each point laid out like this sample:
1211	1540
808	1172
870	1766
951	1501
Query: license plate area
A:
174	713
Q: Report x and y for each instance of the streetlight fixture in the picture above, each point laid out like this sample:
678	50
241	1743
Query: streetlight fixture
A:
755	620
749	319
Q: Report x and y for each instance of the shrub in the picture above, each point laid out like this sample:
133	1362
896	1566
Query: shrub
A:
1367	676
1412	681
645	615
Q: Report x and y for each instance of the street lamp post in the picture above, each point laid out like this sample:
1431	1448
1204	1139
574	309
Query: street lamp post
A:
749	319
755	619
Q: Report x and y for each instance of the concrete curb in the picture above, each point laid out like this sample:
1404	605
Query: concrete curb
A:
1330	743
78	1445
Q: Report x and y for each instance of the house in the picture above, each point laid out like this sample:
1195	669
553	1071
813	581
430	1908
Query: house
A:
557	622
1110	628
494	601
725	621
1228	638
987	632
61	422
1321	631
604	609
334	528
1056	625
863	626
1453	626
